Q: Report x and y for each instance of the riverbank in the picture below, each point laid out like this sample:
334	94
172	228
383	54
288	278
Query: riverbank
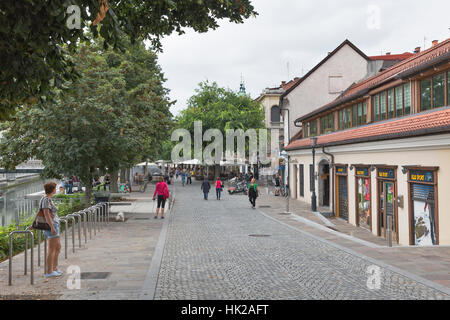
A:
5	185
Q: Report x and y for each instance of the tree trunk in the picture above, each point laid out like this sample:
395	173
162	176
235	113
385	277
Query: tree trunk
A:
216	171
114	176
122	175
87	195
127	175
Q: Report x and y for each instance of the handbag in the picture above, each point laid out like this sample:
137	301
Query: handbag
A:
39	222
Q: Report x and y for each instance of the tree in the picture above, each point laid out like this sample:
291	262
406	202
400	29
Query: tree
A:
222	109
108	119
37	37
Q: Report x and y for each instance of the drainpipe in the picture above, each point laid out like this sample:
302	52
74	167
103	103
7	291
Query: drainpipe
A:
332	178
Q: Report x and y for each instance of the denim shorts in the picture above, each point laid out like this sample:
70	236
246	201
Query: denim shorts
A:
48	233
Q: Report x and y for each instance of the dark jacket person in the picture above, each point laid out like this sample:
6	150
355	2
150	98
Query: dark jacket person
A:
205	187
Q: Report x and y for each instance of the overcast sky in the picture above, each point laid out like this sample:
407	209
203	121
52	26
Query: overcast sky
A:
298	32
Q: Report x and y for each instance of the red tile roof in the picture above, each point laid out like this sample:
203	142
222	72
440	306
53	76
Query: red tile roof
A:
401	56
386	75
434	121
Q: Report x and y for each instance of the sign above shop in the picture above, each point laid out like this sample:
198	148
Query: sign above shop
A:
341	169
364	172
386	173
421	176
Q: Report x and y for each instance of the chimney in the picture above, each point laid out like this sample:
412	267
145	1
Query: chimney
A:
417	50
283	83
388	53
434	43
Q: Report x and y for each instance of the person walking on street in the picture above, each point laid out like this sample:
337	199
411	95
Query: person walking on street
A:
277	185
189	176
183	177
162	191
51	217
205	187
219	187
176	174
253	192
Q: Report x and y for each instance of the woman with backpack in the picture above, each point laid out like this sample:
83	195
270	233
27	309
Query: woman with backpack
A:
162	190
253	192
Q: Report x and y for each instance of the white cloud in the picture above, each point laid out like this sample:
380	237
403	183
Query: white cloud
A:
298	32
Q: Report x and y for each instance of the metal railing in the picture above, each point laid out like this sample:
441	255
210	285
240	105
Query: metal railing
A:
11	236
89	219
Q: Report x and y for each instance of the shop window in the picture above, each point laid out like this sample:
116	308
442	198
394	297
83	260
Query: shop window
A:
424	221
363	197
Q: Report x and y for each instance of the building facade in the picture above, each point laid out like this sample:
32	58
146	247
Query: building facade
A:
383	151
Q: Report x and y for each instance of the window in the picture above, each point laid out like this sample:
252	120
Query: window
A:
275	114
407	98
313	128
390	103
355	115
302	180
383	106
360	115
425	94
364	118
448	88
327	123
311	177
376	108
345	118
399	101
439	90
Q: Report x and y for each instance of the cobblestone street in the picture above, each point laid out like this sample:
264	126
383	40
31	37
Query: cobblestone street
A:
225	250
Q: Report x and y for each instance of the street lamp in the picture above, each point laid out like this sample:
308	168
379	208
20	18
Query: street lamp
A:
313	181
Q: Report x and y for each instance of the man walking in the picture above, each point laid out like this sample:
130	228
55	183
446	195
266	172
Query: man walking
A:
183	177
205	187
189	177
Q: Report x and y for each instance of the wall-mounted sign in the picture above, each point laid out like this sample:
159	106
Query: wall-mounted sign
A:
341	169
421	176
363	172
386	173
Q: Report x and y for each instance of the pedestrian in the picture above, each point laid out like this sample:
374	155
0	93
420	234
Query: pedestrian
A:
128	186
51	217
162	191
70	184
277	185
183	177
219	188
107	182
253	192
205	187
176	174
189	177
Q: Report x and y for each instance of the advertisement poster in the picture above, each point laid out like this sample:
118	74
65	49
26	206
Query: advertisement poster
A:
423	224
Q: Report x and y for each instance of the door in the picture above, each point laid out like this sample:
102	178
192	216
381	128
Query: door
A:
386	208
342	192
326	186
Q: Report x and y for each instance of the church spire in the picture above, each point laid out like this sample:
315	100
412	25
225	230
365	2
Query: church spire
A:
242	87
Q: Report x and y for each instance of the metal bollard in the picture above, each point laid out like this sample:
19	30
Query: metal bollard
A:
39	247
45	255
99	215
94	219
11	235
64	219
73	231
79	226
89	216
84	214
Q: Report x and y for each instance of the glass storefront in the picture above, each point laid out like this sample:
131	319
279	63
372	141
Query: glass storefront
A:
363	198
423	188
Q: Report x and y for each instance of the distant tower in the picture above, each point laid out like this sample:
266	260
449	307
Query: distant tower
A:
242	88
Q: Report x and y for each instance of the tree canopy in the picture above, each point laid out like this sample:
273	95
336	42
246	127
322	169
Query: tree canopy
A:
113	116
35	41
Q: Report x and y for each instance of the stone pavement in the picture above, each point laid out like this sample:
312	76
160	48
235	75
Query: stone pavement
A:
122	250
431	263
225	250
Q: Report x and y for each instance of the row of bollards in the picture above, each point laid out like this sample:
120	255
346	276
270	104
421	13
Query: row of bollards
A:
89	219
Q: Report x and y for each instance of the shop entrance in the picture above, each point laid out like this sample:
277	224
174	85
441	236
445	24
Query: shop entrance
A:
324	184
342	192
363	198
423	215
387	193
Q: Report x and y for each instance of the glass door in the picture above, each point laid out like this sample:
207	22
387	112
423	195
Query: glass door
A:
387	208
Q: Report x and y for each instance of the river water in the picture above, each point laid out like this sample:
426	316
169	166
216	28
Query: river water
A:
13	205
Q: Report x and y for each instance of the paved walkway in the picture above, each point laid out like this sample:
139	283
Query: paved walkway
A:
225	250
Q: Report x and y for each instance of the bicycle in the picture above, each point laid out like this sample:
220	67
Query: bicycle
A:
143	187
